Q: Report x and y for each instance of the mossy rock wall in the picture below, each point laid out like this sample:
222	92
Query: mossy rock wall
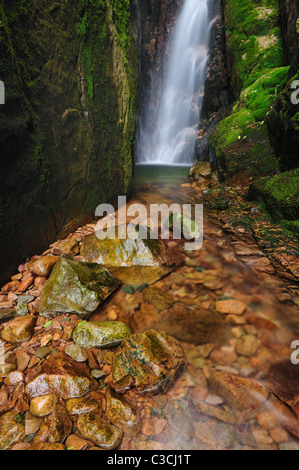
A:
258	73
67	128
280	196
283	125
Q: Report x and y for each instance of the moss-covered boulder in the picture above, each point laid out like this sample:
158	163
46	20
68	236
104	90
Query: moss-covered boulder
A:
241	141
62	376
132	261
76	287
106	334
92	427
149	361
115	252
280	196
254	42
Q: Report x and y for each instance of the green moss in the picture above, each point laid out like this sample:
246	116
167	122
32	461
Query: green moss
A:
255	57
253	38
280	195
242	144
233	128
121	17
106	39
295	121
261	94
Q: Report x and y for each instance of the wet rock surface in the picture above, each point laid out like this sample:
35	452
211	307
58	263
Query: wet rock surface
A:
10	430
62	376
104	435
42	266
100	334
19	329
76	287
149	361
240	393
117	252
121	413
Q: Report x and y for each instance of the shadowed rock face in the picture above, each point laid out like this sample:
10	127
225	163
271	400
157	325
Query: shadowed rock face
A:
60	106
289	13
217	93
149	361
283	380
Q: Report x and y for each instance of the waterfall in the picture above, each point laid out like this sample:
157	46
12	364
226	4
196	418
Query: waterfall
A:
167	135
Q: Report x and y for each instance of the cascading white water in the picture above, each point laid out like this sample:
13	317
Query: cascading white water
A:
172	138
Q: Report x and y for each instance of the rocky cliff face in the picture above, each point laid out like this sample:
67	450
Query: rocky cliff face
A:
71	74
257	74
289	15
283	119
157	19
217	94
